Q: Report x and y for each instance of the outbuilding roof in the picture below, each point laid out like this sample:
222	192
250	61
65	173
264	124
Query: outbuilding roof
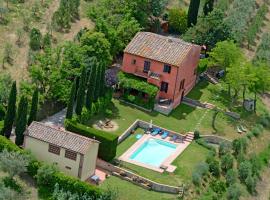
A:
158	47
58	137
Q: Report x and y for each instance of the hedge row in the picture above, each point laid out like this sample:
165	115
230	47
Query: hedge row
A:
66	183
108	142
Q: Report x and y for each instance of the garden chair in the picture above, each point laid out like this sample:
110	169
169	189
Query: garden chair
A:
239	130
243	128
164	135
155	132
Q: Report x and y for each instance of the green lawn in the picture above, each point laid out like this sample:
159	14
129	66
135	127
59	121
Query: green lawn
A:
184	118
185	163
129	191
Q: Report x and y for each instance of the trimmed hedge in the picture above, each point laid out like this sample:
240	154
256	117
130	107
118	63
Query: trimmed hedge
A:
108	142
66	183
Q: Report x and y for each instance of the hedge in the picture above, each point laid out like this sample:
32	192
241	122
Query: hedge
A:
108	142
66	183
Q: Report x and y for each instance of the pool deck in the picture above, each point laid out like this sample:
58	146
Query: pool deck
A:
180	147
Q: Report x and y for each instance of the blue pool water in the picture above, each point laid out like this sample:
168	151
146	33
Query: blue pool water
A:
153	152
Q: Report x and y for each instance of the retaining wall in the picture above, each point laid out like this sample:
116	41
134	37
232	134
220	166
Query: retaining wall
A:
215	139
136	179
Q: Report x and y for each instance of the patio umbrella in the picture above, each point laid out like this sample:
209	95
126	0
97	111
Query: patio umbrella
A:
150	125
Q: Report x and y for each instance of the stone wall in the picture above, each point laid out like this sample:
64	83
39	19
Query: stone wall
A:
136	179
127	132
215	139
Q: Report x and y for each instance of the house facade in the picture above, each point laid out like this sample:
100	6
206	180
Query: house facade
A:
166	62
73	154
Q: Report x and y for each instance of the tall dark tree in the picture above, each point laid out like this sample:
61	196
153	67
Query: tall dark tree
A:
102	81
71	100
91	65
193	12
21	120
97	85
208	6
81	92
11	111
34	107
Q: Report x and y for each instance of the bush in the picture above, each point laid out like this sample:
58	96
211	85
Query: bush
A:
203	143
264	121
196	178
234	192
251	184
214	168
224	148
196	135
245	169
177	20
231	177
218	186
108	142
35	39
226	162
239	145
256	131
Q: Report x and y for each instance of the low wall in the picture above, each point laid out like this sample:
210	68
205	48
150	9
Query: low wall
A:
144	125
215	139
136	179
128	131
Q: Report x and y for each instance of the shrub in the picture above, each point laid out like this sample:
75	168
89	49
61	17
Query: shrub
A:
239	145
224	148
256	165
35	39
202	168
264	121
196	178
245	169
196	135
234	192
177	20
231	177
203	143
226	162
108	142
249	135
214	168
251	184
256	132
218	186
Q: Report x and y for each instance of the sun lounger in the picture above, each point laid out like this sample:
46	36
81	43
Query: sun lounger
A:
173	138
243	128
239	130
155	131
164	135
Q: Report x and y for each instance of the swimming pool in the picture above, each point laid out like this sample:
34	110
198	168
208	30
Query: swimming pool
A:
153	152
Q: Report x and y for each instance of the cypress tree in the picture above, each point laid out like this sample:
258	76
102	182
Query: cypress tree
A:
81	92
71	100
102	81
97	84
208	7
11	111
34	107
91	65
21	121
193	12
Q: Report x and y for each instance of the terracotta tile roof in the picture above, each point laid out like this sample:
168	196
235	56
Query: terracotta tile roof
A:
61	138
160	48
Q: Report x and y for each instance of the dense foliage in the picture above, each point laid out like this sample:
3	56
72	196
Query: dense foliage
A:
209	30
5	85
238	17
177	20
256	24
21	120
263	51
193	11
108	142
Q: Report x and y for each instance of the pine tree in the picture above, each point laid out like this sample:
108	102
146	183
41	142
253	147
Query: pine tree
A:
193	12
11	111
71	100
208	7
91	66
34	107
21	121
81	92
